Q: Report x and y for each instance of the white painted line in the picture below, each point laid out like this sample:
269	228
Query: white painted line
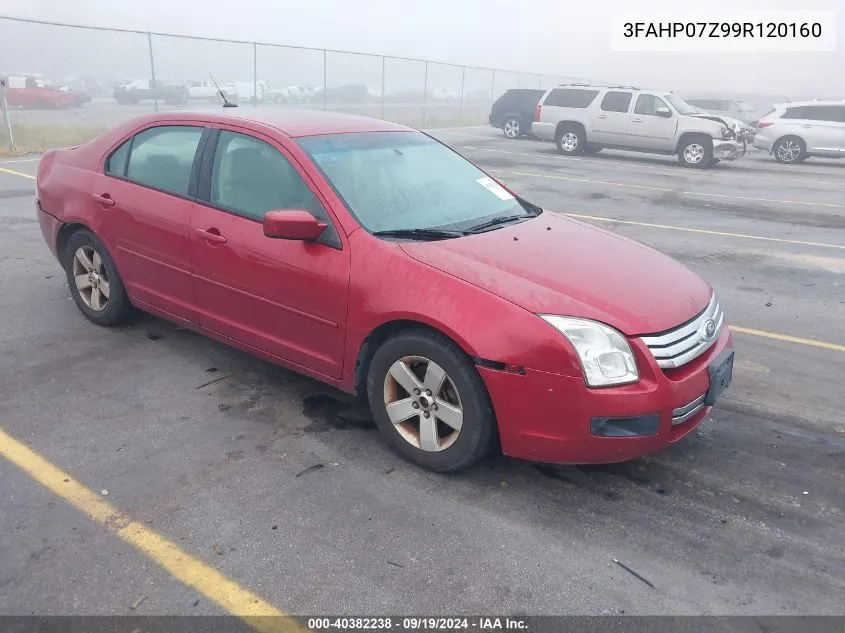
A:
20	160
599	218
690	173
679	192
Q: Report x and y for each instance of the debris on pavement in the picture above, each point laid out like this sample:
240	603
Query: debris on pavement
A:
137	603
215	381
310	469
153	336
633	573
390	562
217	549
104	492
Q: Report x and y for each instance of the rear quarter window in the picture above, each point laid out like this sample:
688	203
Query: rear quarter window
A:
570	97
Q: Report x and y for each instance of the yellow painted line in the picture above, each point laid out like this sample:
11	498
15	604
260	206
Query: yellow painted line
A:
836	347
698	194
255	611
16	173
783	240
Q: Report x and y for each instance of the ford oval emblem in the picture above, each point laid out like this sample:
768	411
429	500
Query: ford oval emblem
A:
708	330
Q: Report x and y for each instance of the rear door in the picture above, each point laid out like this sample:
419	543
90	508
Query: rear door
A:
286	298
648	128
822	128
143	200
610	122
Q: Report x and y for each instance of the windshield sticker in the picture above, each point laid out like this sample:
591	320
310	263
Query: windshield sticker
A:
495	188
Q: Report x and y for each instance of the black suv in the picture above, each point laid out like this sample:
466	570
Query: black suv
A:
513	112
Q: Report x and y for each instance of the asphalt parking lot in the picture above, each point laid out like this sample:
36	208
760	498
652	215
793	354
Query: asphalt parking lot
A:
283	486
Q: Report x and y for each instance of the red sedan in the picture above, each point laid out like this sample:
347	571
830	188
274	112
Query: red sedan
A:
372	257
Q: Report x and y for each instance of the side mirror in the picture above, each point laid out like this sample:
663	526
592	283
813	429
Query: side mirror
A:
293	224
663	111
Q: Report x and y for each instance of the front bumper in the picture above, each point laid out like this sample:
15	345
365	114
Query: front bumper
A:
553	418
729	150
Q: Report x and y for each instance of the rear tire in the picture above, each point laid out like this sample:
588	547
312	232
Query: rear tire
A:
789	149
696	152
512	127
95	285
570	140
426	360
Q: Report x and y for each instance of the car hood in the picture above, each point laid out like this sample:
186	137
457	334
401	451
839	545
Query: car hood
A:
556	265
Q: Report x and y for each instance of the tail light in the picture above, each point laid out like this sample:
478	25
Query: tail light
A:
537	110
762	124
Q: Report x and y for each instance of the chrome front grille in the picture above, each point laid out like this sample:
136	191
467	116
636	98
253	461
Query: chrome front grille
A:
684	413
679	346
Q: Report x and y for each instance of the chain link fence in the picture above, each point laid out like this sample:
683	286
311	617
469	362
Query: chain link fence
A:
64	84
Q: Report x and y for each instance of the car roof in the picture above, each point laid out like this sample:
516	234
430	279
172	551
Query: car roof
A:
292	121
799	104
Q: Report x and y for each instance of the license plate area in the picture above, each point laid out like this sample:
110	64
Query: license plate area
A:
721	373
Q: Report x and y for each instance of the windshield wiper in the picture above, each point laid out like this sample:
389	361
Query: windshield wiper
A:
502	219
419	234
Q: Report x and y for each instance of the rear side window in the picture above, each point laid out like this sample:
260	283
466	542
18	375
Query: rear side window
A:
794	113
570	98
116	163
615	101
163	157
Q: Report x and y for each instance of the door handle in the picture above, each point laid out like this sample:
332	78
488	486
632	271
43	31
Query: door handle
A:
211	235
104	199
601	116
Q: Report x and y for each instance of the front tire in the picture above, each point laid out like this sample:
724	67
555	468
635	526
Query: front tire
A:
429	402
696	152
95	285
789	150
570	140
512	127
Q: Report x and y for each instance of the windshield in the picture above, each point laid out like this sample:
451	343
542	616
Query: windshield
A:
681	106
406	180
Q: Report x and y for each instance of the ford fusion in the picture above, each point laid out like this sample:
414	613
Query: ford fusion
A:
371	257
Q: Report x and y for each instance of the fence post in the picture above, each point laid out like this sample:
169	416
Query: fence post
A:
383	72
255	72
325	82
425	94
463	85
493	89
5	109
154	86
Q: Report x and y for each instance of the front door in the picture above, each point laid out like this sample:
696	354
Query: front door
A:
823	129
649	126
610	125
143	207
286	298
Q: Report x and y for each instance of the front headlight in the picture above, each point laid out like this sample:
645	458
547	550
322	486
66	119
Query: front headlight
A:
604	353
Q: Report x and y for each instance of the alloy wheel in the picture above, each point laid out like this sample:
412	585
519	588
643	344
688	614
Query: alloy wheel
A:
789	151
423	403
569	141
694	153
511	128
91	278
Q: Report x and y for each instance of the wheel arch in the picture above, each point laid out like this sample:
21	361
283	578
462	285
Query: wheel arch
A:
569	123
794	135
688	136
378	335
67	231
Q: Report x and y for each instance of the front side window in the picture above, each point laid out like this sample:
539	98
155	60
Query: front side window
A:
393	181
648	104
163	157
615	101
250	177
680	105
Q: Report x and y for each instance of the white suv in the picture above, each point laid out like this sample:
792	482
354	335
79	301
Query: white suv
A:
793	132
584	119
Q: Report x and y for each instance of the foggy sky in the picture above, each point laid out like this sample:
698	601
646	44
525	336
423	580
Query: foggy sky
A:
555	37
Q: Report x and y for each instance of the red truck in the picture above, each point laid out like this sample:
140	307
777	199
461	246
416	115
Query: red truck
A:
29	92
